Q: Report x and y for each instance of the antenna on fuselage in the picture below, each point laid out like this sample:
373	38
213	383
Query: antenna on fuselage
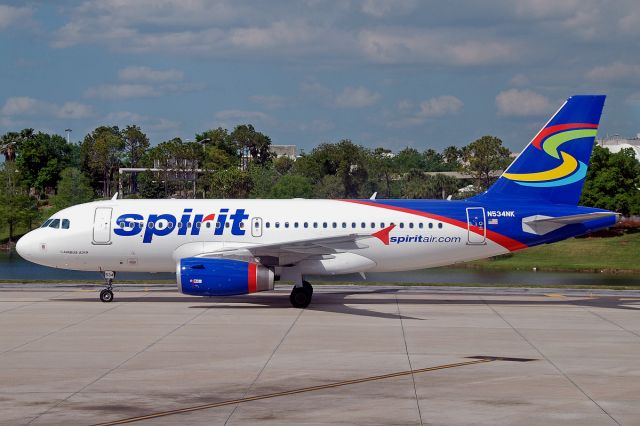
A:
115	197
373	197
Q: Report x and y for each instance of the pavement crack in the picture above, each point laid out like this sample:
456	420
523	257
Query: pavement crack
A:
406	349
255	380
71	395
530	343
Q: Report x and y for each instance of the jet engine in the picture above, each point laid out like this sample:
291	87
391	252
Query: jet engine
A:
198	276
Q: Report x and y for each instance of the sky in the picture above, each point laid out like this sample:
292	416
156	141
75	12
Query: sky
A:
383	73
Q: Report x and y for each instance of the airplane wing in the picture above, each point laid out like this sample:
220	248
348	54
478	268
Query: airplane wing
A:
541	225
293	251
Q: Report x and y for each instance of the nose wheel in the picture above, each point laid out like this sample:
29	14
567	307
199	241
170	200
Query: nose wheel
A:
301	296
106	295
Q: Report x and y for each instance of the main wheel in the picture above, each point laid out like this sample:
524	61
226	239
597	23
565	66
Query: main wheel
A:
106	296
308	287
300	297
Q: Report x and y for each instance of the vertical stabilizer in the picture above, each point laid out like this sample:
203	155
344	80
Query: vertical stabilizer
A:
552	168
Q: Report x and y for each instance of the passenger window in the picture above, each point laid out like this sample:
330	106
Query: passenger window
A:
344	224
421	225
277	225
381	224
150	225
439	225
226	225
373	225
315	224
218	225
295	225
430	225
198	224
401	224
241	225
363	225
324	224
335	225
286	224
268	224
353	224
179	225
411	225
208	224
188	224
306	224
65	223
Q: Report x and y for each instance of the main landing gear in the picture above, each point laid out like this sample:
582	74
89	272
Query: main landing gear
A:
301	296
106	295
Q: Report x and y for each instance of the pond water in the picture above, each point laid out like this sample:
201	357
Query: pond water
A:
12	266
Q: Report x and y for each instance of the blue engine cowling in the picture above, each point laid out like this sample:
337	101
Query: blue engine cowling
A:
199	276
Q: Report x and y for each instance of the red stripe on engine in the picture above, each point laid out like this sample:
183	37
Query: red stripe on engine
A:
506	242
252	278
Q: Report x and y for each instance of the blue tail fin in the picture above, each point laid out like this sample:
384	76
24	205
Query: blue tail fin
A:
552	168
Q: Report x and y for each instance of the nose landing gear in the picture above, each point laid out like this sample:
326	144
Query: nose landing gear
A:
106	295
301	296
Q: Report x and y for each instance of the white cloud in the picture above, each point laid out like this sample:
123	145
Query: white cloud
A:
278	34
12	16
26	106
514	102
141	73
356	97
146	122
616	72
400	45
271	101
439	106
122	91
519	80
241	115
630	23
381	8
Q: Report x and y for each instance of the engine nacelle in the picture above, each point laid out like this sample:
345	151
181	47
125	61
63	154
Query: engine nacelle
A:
198	276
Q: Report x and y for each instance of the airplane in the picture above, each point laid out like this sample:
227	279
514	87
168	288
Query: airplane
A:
231	247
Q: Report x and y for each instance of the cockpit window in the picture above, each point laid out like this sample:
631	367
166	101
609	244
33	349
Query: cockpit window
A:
65	223
55	223
46	223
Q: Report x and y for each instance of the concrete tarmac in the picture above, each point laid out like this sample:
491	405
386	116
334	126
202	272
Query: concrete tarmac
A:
66	358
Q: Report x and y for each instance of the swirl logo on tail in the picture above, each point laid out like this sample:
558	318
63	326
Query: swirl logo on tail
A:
550	140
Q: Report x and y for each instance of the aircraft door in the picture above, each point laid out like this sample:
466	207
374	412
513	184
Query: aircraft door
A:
256	226
102	225
476	225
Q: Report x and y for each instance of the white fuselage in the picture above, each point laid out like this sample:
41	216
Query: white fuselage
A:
100	238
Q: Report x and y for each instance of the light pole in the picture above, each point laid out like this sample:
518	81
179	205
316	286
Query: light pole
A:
68	135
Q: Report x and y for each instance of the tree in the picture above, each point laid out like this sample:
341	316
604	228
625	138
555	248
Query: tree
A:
419	185
16	207
452	156
613	181
483	157
380	167
40	159
292	186
433	161
74	188
255	143
101	154
230	183
136	144
408	159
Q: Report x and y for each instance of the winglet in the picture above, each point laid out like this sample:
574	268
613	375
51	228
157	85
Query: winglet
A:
383	234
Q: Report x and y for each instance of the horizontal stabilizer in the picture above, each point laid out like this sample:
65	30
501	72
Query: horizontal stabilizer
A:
541	225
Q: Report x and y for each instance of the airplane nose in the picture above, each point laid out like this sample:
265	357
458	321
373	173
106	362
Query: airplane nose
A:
24	246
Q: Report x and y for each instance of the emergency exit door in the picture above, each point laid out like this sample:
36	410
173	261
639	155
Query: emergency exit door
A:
102	225
476	226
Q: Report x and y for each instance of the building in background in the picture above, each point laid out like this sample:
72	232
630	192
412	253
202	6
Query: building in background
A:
288	151
616	143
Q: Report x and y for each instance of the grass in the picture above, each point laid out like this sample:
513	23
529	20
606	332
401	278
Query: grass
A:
611	254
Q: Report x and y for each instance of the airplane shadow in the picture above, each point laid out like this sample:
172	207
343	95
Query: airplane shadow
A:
353	303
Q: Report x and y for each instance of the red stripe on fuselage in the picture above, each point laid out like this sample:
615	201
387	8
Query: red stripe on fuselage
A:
558	128
506	242
252	278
